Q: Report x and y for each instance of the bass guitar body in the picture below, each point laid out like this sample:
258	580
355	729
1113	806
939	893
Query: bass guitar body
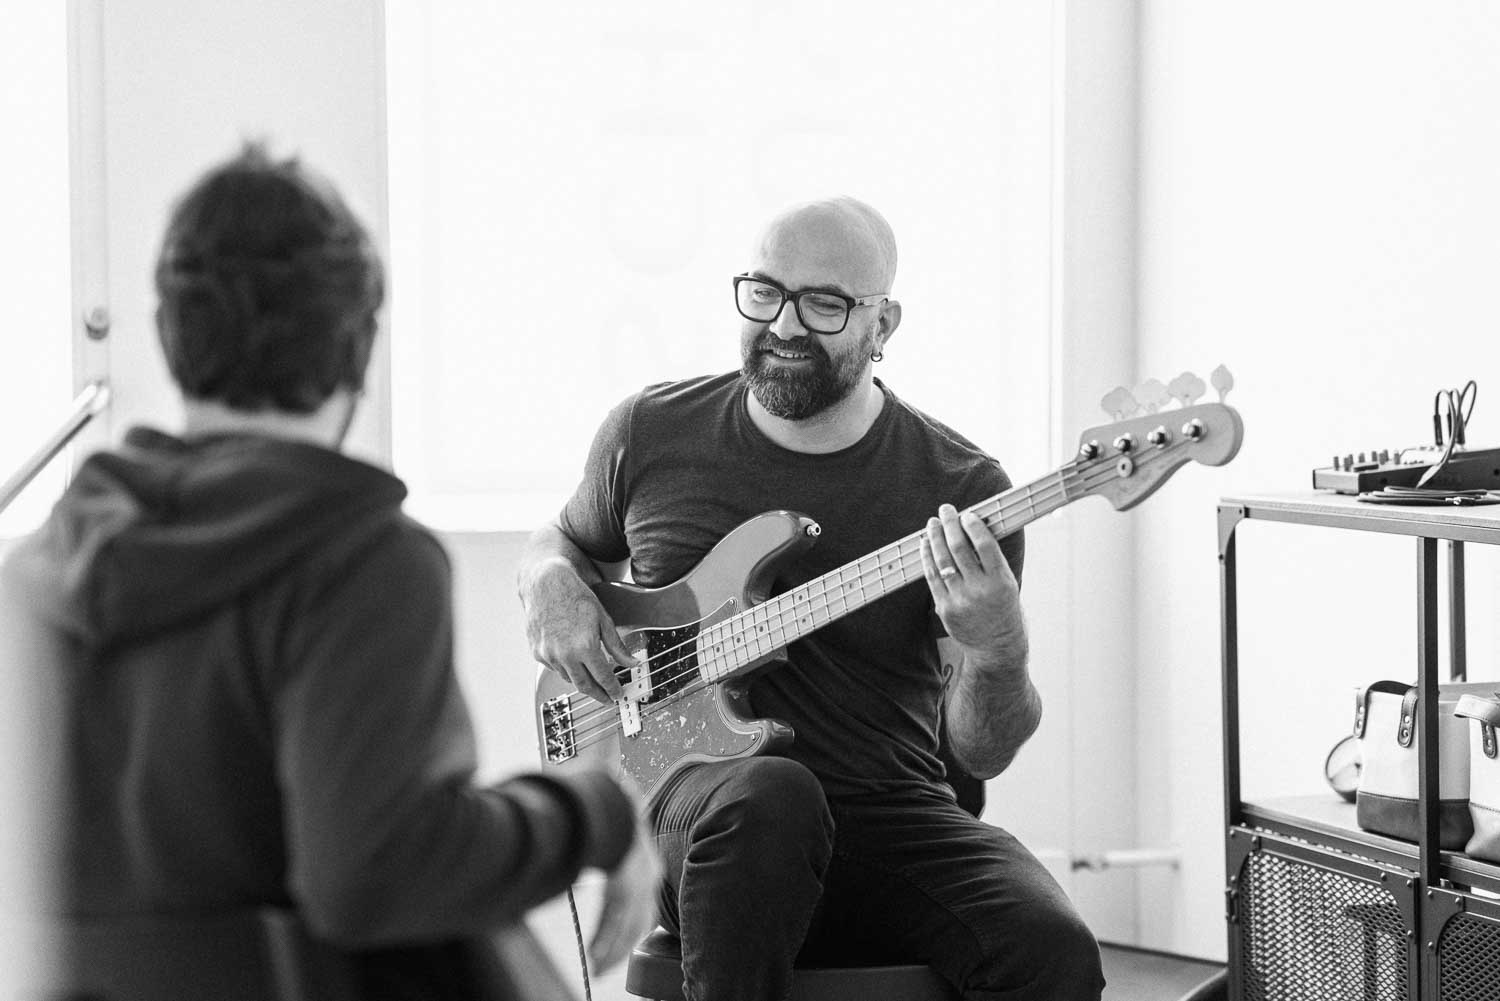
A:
673	714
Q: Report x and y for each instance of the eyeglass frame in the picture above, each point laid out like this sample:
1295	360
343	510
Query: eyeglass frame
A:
795	298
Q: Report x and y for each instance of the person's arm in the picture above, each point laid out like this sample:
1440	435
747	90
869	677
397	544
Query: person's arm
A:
568	628
388	838
992	708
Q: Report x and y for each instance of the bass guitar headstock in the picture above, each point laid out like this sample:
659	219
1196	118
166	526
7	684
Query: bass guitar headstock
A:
1128	460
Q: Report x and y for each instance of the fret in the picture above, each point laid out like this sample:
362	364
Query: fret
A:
843	587
676	661
822	614
848	588
779	626
762	633
708	665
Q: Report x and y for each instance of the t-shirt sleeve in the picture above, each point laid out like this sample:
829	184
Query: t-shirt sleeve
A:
388	836
594	517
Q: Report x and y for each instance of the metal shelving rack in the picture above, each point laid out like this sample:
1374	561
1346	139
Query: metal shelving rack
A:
1317	908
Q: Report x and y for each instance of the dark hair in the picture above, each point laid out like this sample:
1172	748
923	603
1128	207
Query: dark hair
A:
268	288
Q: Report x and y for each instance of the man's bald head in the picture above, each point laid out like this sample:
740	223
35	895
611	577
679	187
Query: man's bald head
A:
840	235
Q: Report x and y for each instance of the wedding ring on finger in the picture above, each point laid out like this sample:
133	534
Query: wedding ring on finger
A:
946	572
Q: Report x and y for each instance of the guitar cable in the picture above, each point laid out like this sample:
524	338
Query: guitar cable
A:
1457	422
583	962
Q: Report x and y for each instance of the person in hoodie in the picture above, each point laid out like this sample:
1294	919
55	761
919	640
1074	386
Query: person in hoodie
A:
249	646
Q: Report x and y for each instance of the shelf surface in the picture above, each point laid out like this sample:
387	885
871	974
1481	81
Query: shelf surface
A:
1322	507
1330	819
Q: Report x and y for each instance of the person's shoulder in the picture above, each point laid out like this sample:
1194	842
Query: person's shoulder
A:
675	397
682	405
416	542
686	394
389	546
941	435
948	454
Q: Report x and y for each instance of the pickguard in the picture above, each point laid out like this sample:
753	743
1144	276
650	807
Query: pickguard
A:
691	728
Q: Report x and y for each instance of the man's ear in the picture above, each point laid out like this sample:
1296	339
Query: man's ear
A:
890	319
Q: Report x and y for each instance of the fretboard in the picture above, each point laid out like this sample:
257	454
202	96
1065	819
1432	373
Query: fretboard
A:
740	640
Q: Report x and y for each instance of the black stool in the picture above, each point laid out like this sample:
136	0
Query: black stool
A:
655	972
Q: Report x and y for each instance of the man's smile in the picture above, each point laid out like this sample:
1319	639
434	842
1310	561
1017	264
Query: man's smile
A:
782	354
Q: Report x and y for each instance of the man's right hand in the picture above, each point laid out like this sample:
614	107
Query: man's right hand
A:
629	908
570	632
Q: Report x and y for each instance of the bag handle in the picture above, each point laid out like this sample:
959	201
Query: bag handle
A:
1408	695
1484	711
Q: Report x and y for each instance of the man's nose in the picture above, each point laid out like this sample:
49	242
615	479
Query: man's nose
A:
788	325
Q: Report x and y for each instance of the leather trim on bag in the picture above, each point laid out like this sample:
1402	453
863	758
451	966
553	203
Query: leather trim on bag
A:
1398	817
1485	712
1362	701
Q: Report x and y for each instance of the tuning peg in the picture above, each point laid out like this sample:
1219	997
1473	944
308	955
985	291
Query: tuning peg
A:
1152	394
1222	381
1119	404
1186	389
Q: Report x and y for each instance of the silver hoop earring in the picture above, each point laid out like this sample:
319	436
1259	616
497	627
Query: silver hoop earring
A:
876	355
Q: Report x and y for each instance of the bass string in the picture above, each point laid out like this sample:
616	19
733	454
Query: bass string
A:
599	724
815	589
818	589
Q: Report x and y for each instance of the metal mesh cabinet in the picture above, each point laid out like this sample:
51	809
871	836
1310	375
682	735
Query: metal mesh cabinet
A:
1317	909
1466	946
1309	923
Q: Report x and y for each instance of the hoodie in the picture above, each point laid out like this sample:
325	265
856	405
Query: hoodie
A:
249	659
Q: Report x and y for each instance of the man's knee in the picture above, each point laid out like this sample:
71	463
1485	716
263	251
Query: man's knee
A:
1060	961
777	797
771	803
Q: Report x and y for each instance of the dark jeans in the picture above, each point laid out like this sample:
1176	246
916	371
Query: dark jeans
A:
762	869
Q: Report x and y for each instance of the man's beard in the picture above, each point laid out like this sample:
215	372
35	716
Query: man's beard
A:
796	395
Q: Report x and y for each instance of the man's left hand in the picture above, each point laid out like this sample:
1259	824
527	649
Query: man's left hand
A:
972	585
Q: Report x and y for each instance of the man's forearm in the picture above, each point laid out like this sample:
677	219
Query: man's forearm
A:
547	546
993	708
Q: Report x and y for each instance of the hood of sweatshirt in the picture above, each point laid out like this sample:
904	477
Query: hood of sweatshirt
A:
164	529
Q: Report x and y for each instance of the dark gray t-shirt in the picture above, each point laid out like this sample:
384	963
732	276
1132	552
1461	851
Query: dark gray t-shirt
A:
677	466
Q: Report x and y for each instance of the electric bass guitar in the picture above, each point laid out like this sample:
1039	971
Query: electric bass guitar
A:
696	641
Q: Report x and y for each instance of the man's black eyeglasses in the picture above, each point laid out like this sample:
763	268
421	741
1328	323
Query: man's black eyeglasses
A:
822	311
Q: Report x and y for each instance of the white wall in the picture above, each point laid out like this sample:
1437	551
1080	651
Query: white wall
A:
572	187
35	323
181	85
35	354
1078	594
1319	211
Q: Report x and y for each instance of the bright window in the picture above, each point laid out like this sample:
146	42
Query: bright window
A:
35	323
572	186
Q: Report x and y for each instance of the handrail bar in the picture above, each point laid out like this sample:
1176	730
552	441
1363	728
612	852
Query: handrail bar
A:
86	406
